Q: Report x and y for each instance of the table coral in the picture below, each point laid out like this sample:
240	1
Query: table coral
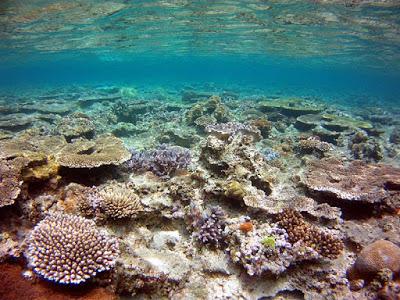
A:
70	249
333	180
105	150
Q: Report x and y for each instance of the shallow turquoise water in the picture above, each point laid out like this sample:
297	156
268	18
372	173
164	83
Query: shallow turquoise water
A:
326	48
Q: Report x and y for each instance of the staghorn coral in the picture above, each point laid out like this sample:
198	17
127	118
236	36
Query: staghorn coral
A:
299	230
163	161
119	202
209	227
70	249
105	150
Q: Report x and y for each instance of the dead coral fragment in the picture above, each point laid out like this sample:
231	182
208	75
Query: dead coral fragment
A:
70	249
10	180
118	202
299	230
105	150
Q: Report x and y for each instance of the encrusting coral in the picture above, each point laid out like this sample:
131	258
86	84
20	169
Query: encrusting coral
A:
70	249
299	230
119	202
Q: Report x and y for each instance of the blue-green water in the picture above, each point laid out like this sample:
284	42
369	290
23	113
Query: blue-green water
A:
342	47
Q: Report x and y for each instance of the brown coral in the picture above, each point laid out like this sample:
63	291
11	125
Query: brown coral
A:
118	202
105	150
10	180
70	249
342	183
299	230
377	256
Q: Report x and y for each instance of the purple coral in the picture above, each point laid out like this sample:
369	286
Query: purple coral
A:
163	161
210	227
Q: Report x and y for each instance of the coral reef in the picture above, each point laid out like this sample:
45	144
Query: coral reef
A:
209	227
163	161
375	257
213	109
76	125
249	195
104	150
119	202
226	131
266	249
10	180
299	230
70	249
355	181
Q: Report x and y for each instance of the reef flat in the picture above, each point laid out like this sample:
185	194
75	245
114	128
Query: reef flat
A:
196	192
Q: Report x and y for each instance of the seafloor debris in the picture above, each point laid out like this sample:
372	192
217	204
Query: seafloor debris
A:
70	249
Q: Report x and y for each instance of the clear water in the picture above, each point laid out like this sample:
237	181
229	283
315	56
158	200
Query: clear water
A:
345	54
335	48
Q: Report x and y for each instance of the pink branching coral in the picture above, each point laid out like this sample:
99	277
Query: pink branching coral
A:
70	249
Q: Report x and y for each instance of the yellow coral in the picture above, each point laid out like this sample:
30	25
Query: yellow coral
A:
235	190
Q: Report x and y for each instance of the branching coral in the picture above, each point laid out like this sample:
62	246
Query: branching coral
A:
163	161
118	202
265	249
299	230
70	249
209	228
